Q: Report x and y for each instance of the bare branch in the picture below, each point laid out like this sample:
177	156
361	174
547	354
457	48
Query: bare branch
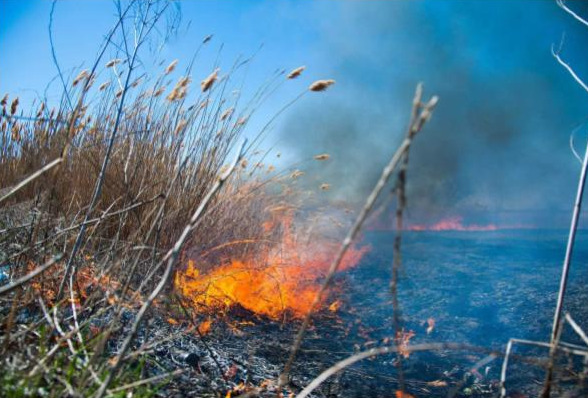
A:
379	351
563	6
576	328
569	69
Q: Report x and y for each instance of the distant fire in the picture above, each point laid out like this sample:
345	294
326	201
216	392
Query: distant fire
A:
285	280
452	224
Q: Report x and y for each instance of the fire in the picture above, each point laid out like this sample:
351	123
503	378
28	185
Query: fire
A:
335	305
204	327
284	279
452	224
403	341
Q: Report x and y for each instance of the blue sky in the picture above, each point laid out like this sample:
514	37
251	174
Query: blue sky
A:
497	148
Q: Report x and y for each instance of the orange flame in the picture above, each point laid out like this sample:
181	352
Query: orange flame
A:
335	305
452	224
285	280
204	327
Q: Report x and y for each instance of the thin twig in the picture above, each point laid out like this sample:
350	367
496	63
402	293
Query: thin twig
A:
147	381
562	4
397	254
31	178
7	288
556	332
379	351
561	346
576	328
482	362
569	69
70	267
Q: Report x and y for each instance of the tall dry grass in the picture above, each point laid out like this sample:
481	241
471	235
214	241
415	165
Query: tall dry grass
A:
123	179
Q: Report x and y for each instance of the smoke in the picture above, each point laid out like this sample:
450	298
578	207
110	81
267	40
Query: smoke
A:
496	149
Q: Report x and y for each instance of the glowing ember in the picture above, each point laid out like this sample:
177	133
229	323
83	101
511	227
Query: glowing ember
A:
452	224
335	305
204	327
286	280
402	339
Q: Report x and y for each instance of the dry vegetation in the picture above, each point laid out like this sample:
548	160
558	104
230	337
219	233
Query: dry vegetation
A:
105	196
102	195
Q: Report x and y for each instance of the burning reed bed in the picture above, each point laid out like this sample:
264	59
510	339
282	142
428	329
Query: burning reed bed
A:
107	196
140	236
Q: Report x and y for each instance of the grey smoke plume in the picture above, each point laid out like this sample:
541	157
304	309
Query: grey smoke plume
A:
496	149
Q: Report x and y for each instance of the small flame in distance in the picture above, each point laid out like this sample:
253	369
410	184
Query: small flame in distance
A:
452	224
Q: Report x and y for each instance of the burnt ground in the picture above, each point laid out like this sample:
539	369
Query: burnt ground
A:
480	289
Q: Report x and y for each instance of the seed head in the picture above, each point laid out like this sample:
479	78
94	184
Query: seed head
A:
14	106
113	62
170	68
207	83
159	91
296	72
296	173
322	156
227	113
321	85
83	74
180	127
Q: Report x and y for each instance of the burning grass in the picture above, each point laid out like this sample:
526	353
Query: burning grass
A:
106	191
280	279
116	238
